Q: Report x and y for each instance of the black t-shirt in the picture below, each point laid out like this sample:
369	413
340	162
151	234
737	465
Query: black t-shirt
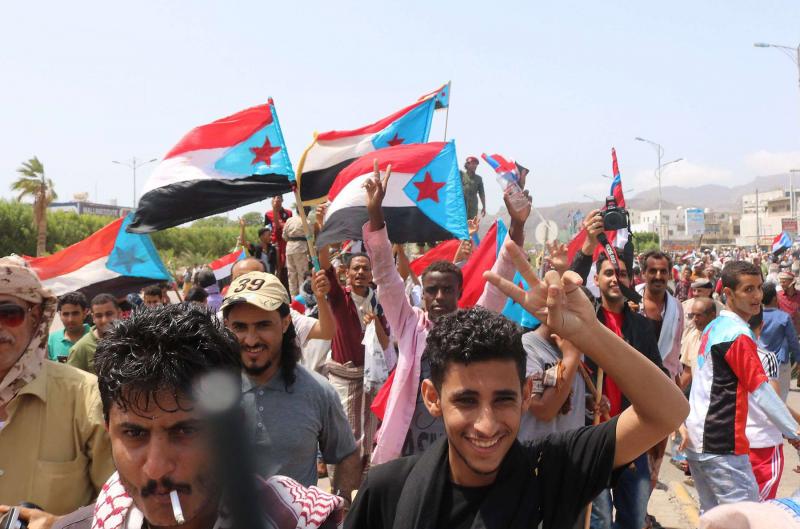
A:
571	467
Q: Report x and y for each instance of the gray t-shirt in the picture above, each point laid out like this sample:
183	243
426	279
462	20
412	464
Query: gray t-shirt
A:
288	426
542	355
425	429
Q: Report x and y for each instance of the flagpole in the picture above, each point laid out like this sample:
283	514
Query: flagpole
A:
598	396
447	110
312	251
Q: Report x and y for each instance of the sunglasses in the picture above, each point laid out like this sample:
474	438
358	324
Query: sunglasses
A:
12	315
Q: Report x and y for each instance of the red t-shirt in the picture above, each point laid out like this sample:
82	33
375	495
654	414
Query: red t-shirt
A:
610	388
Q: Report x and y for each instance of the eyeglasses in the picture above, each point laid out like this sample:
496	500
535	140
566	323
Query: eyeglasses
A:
12	315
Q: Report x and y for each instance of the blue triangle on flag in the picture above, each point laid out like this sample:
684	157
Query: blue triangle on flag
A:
135	255
412	127
444	205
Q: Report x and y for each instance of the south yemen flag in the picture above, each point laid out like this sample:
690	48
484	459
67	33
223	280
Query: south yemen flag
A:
781	243
332	151
232	162
424	201
110	260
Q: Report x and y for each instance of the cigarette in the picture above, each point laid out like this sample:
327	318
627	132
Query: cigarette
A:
177	512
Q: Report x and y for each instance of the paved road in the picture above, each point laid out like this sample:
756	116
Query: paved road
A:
675	503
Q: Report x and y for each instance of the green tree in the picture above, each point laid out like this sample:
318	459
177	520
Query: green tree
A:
645	241
253	218
217	221
33	184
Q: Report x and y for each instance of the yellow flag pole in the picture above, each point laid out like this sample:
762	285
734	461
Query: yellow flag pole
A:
597	396
312	250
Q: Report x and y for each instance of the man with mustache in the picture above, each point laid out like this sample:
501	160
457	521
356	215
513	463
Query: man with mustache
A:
147	367
54	451
105	311
292	411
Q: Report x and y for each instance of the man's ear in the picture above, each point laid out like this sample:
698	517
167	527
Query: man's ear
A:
286	321
527	394
431	398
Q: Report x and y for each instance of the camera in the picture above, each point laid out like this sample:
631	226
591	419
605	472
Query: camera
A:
614	217
11	520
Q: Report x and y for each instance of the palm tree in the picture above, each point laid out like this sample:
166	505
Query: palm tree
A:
33	184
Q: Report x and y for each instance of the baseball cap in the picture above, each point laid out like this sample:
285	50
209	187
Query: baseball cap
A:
259	289
702	283
473	159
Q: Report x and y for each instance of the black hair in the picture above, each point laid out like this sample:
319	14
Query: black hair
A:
444	267
161	349
264	229
655	254
756	320
769	292
206	278
732	271
152	290
602	258
290	351
196	294
72	298
473	335
102	299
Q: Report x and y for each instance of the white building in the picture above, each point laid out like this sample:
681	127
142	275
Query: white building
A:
673	222
764	216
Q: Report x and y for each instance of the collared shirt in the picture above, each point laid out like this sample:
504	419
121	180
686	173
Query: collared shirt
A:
58	345
791	306
82	353
288	425
54	450
779	336
295	236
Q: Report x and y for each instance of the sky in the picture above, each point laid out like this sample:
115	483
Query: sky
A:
554	85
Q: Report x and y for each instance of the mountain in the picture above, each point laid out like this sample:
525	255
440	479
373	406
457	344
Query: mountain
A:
714	196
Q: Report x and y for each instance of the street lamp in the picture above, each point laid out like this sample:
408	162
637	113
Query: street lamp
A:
659	168
134	164
792	53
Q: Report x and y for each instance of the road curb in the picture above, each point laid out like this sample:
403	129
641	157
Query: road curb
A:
688	505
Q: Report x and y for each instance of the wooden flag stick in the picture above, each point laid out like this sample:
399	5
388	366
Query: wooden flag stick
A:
598	394
447	110
312	250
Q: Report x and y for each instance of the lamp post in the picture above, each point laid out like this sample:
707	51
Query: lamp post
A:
789	51
660	152
134	164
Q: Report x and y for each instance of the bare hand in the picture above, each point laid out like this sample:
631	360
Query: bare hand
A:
684	437
463	252
319	216
35	518
320	285
603	408
473	225
558	256
593	223
558	300
376	187
369	317
517	216
242	223
568	349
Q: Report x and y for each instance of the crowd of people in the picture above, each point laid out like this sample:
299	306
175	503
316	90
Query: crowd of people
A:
420	413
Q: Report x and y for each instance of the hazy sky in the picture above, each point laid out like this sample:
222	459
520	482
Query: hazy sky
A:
554	85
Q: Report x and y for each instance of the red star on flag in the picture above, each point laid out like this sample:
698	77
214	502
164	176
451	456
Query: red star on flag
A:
428	188
395	141
264	153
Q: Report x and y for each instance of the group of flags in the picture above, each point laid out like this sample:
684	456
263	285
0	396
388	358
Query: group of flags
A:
243	158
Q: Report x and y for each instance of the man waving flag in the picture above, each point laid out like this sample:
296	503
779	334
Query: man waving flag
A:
231	162
424	200
332	151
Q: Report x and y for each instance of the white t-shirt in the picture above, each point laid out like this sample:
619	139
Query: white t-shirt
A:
542	355
759	430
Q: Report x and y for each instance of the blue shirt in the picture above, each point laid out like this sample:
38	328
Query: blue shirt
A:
779	336
58	345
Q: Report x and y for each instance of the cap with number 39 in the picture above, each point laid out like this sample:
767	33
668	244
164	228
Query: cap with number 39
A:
259	289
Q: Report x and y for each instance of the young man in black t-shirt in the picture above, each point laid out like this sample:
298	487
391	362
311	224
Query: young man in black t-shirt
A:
479	475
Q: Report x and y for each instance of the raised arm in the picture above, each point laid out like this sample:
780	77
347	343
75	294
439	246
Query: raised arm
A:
657	405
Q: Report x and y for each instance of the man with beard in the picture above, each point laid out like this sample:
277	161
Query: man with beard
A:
479	475
160	440
407	426
54	451
292	411
105	311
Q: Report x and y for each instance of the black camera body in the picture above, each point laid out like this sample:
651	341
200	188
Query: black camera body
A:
614	217
11	520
